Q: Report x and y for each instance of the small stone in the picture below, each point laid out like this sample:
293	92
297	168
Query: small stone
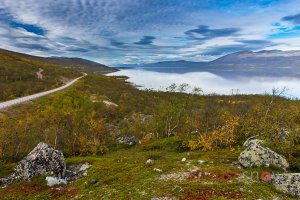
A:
183	159
84	167
206	173
200	162
59	188
149	162
157	170
193	168
93	181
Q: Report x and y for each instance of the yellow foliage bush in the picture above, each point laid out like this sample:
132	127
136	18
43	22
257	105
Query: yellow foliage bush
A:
222	137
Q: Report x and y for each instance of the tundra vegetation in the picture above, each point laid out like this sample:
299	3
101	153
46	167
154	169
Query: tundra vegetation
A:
169	125
19	76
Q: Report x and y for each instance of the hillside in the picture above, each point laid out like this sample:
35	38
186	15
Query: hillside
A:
80	64
65	62
21	75
133	141
192	141
261	63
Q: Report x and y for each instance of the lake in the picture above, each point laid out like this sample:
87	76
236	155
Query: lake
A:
212	83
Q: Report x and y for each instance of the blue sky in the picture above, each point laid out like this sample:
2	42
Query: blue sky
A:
142	31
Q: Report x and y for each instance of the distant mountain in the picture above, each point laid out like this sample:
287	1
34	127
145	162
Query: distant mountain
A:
261	63
169	64
179	63
65	62
272	57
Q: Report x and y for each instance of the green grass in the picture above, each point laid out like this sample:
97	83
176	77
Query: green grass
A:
123	174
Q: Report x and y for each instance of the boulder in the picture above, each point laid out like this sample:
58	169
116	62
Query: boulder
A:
287	183
257	156
46	160
130	140
40	161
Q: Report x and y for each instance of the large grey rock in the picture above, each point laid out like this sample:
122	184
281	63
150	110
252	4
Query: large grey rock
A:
257	156
41	160
287	183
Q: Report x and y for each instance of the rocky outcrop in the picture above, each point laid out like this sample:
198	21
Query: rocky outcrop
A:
41	160
256	156
287	183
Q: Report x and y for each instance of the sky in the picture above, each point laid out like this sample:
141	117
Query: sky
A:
116	32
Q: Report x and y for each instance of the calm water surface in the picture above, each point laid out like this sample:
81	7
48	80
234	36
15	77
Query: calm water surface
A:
211	83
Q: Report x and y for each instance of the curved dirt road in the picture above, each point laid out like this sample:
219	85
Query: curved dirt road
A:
13	102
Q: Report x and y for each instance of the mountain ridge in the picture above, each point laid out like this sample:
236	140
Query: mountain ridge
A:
244	54
250	63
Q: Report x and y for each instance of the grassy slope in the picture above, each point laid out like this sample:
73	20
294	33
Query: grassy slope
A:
80	64
18	76
65	62
122	173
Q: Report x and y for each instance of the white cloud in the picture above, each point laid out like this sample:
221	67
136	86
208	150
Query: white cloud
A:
91	25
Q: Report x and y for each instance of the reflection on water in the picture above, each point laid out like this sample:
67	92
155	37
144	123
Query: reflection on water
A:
211	83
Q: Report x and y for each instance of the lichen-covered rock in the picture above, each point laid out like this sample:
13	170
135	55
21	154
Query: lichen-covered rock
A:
130	140
41	160
76	171
287	183
256	156
252	141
